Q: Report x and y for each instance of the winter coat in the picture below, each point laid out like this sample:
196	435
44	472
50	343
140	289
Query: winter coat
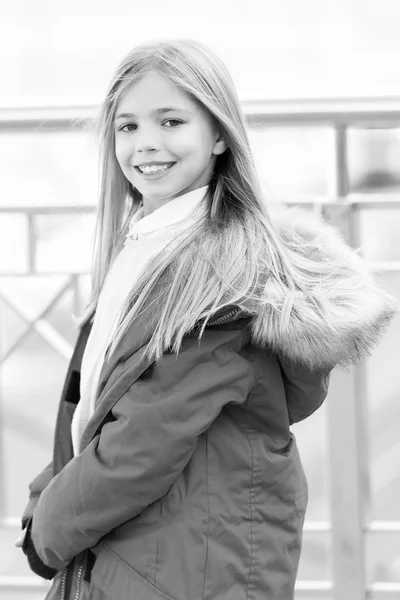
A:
189	485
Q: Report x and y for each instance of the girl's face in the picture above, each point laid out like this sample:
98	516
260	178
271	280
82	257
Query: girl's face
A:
165	143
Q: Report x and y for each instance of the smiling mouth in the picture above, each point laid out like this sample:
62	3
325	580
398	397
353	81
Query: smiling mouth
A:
154	169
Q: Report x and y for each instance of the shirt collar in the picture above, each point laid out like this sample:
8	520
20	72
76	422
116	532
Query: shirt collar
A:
172	212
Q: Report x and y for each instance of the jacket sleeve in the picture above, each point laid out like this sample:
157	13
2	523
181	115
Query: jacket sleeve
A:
70	394
305	390
69	398
135	459
36	487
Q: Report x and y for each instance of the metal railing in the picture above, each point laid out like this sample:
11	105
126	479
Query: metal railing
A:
347	416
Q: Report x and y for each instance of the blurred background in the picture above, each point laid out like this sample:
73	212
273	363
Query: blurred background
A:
319	84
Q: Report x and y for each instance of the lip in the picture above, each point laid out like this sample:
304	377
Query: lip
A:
154	162
150	176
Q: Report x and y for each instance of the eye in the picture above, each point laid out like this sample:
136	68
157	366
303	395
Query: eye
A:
173	121
122	128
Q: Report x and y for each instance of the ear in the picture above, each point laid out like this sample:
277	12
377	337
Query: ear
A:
220	146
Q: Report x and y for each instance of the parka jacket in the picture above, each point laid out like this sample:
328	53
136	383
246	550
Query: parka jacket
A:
188	484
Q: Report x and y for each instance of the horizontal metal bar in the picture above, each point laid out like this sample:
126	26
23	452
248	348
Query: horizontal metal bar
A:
10	523
381	201
282	112
41	273
313	586
384	266
372	527
371	201
48	210
324	111
35	584
364	201
317	527
384	527
384	587
46	118
26	273
356	201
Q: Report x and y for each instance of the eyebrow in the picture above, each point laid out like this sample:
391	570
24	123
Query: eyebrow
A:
157	111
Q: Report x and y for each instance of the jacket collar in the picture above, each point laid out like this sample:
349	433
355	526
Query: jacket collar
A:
171	213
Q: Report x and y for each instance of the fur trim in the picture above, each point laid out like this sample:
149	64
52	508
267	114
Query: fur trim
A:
355	310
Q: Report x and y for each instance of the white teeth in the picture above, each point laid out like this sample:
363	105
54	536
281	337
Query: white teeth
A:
154	168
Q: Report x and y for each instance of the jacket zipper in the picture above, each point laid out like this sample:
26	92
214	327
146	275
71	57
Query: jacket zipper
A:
80	575
78	578
224	317
64	582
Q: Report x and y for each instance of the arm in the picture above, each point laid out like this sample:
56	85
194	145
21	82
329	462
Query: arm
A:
305	391
136	458
36	487
69	398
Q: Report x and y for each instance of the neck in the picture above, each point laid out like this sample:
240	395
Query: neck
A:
150	205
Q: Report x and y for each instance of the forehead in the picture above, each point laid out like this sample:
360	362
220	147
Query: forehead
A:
151	91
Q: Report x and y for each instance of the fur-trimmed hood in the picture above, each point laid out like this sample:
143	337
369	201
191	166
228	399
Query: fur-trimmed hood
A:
356	309
334	313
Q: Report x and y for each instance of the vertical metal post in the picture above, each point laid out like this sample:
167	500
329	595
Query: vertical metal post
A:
346	432
77	296
2	462
362	406
338	175
346	489
31	258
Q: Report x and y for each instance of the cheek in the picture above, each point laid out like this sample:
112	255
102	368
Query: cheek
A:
121	154
123	163
117	151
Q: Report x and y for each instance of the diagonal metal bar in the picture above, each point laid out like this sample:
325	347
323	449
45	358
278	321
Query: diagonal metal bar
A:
31	323
44	329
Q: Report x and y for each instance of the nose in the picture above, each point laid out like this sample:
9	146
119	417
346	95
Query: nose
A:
147	142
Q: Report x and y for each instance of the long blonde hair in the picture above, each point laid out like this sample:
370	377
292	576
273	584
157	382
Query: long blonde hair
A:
217	261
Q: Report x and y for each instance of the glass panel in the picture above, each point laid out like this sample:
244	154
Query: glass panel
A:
11	328
58	168
13	242
291	161
383	559
14	564
64	243
84	288
311	436
31	295
315	562
383	379
61	317
32	380
380	233
374	159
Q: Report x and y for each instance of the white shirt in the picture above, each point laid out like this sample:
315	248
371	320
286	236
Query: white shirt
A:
146	237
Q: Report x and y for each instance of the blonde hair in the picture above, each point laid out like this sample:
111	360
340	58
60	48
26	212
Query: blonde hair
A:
217	261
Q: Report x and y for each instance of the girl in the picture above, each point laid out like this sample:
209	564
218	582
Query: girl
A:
212	327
